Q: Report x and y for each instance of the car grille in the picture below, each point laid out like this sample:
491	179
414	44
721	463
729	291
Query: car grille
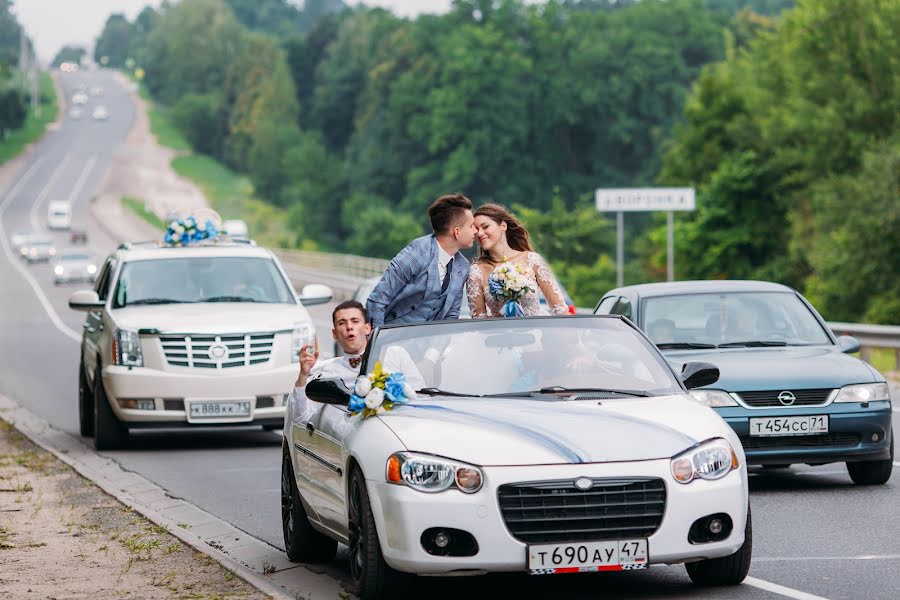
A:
799	441
557	511
194	350
815	397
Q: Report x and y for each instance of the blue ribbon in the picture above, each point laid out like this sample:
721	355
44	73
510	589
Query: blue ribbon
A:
513	309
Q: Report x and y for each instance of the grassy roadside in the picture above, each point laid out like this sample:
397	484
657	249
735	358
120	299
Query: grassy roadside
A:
34	124
228	192
136	205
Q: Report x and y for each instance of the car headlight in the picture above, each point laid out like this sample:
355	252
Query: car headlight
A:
713	398
127	349
864	392
52	251
58	269
432	474
303	334
710	460
92	269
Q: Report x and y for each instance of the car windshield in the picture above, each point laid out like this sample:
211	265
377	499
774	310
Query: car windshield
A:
497	357
733	319
201	279
74	257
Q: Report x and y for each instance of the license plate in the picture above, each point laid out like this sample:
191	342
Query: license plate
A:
213	410
774	426
613	555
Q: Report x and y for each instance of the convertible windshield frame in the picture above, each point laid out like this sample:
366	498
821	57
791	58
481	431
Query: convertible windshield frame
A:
666	383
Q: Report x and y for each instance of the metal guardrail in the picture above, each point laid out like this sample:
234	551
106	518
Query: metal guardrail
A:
344	264
872	336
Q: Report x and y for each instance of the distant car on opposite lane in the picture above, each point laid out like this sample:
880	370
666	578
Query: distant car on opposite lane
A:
787	386
74	264
59	215
100	113
38	249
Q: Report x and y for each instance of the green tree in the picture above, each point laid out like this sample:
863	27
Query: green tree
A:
68	54
200	118
113	46
12	111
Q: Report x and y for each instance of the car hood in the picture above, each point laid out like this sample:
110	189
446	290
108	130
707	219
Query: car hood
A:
530	431
787	367
217	317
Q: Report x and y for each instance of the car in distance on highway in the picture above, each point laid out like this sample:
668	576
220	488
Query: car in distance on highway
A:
187	336
38	249
236	228
59	215
20	238
74	264
787	385
79	98
543	445
100	113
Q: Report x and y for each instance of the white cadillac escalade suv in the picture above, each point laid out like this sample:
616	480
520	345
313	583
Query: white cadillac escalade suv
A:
186	336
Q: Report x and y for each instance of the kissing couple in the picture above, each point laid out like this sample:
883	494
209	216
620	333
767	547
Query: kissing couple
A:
425	281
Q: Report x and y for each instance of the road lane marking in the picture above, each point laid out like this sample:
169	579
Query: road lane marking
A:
780	589
812	558
35	224
76	189
16	263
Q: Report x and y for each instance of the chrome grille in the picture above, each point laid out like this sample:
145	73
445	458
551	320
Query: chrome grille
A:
557	511
813	397
241	350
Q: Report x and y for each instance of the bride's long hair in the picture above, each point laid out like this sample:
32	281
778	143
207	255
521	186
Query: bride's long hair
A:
516	234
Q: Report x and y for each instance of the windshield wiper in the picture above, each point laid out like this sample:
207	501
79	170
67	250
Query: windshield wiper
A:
230	299
433	391
157	301
555	389
670	345
752	344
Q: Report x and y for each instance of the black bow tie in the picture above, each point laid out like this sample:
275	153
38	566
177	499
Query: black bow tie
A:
355	362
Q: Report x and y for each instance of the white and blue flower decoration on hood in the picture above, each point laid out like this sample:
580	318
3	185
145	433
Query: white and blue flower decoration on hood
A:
378	391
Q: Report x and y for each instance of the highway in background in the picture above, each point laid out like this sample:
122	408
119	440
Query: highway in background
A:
814	531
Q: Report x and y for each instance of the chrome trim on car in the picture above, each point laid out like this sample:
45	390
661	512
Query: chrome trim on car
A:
831	396
318	459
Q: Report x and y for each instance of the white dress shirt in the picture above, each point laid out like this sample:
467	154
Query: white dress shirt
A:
443	260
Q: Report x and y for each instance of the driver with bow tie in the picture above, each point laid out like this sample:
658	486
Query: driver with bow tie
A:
351	332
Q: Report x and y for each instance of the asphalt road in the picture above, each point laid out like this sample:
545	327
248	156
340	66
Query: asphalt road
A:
815	533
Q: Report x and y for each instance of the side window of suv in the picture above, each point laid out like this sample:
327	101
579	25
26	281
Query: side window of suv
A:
605	305
102	287
622	307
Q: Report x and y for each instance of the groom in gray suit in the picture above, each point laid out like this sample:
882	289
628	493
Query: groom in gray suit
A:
425	281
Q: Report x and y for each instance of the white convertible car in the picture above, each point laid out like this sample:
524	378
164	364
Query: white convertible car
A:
541	445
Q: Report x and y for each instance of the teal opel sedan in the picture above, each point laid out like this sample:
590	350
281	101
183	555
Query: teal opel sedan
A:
787	386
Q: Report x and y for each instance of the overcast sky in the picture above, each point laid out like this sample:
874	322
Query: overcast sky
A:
52	24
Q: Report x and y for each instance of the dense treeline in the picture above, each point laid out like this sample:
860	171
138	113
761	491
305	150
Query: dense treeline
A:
14	93
353	120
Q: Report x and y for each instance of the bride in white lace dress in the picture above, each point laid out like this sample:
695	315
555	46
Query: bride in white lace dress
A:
502	238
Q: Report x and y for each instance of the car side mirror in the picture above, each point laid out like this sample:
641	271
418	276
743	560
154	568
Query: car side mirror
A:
328	391
848	344
698	374
315	293
85	301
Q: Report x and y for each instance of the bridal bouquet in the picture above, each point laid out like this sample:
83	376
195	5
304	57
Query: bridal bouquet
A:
510	282
378	391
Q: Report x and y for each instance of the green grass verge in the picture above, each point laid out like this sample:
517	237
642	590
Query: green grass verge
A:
231	195
883	359
136	205
34	124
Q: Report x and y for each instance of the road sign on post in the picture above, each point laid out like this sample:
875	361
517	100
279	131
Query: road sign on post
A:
621	200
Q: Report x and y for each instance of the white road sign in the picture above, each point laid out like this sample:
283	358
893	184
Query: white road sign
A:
644	199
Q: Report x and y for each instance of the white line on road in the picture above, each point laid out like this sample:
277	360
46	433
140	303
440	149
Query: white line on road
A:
17	264
781	590
35	224
813	558
76	189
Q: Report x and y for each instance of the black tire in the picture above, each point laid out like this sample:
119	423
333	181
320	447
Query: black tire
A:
85	404
872	472
109	433
372	578
301	542
728	570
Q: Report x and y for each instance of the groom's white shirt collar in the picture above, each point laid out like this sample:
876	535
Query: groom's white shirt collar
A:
443	257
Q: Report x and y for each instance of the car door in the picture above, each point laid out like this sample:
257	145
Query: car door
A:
326	465
93	323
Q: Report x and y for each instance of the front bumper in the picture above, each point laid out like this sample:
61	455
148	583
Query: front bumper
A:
167	389
850	425
403	514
